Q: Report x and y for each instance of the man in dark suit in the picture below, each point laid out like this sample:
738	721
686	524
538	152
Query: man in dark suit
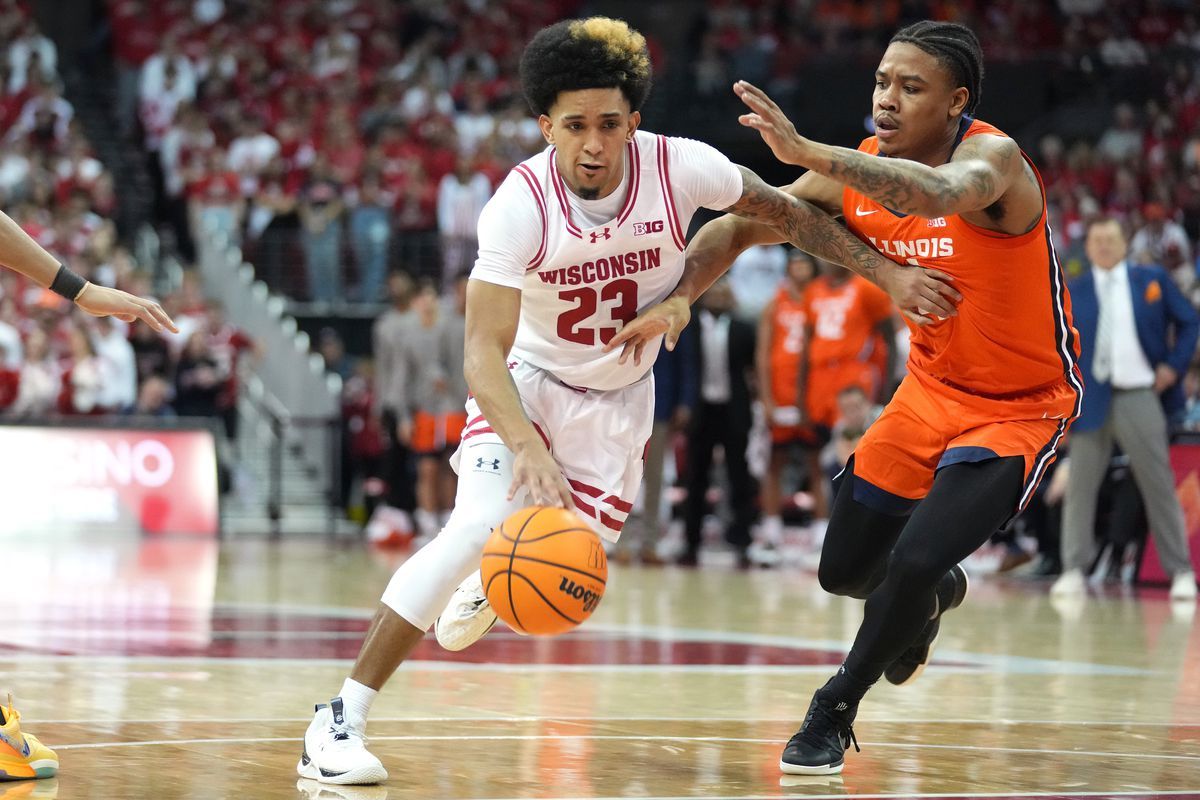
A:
722	417
1137	335
676	389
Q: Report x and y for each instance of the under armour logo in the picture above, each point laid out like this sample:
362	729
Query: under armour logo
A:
493	463
598	235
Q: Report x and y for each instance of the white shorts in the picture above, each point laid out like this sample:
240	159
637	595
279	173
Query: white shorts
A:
598	439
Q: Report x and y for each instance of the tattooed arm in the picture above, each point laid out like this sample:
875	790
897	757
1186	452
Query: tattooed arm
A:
807	227
980	171
920	293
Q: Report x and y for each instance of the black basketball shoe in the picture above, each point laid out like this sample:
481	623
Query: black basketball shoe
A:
819	747
912	662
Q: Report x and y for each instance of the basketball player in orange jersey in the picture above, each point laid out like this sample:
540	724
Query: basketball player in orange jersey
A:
990	392
22	756
576	241
849	324
781	346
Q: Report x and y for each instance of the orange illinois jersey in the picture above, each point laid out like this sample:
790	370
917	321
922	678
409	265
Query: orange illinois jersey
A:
844	320
787	346
1013	333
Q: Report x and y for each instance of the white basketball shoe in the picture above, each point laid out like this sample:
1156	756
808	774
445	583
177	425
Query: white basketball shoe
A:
335	752
467	617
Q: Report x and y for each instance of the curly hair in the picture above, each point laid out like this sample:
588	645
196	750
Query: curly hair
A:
956	48
593	53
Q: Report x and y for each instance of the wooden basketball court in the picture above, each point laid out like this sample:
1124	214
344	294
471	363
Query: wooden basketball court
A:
182	669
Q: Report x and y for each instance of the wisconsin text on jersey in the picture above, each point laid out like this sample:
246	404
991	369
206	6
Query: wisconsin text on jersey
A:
604	268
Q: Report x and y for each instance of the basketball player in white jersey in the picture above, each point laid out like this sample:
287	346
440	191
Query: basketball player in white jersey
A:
576	241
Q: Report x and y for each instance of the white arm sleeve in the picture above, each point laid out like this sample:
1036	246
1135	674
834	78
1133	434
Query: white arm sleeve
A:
510	232
702	177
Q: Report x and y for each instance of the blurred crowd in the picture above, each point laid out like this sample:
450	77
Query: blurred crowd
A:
349	137
768	42
55	360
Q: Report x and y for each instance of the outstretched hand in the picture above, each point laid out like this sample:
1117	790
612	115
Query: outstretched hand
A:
101	301
771	123
667	319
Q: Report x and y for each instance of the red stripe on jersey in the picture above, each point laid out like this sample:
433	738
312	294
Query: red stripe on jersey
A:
664	179
619	504
634	160
582	506
609	522
536	189
590	491
560	192
542	433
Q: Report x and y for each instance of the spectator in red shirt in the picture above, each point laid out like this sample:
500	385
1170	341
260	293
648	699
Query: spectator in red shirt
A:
215	200
228	343
133	43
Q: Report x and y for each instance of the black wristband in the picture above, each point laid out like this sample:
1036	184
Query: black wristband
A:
67	283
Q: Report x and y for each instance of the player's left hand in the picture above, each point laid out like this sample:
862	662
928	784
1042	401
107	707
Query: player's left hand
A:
771	123
667	319
923	295
1165	377
101	301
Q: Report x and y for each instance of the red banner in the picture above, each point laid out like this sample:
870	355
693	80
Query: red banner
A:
1185	461
88	479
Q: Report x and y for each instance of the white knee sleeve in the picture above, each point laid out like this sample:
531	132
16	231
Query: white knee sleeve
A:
424	583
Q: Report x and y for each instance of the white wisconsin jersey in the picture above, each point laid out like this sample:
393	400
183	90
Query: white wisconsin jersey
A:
580	283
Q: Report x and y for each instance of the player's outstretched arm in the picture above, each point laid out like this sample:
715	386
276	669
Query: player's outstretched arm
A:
20	253
980	171
920	293
493	312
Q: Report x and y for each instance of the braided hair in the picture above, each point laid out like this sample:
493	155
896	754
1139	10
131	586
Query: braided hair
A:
956	48
593	53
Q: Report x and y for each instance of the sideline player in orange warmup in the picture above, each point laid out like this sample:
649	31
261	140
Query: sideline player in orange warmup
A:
781	346
850	322
991	390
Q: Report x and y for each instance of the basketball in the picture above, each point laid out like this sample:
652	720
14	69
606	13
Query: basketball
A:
544	571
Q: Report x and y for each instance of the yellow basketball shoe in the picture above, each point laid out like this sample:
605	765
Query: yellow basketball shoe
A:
22	756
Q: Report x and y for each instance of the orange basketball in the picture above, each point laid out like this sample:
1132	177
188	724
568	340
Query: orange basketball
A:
544	570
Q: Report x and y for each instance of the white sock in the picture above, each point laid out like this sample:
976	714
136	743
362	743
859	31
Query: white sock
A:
443	518
356	702
771	530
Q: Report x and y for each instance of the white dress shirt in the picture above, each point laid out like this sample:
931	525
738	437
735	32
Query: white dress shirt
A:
714	341
1130	369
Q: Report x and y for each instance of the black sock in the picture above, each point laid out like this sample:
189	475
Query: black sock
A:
3	719
843	688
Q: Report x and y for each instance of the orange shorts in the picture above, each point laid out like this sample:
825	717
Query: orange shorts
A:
825	382
437	433
807	436
929	425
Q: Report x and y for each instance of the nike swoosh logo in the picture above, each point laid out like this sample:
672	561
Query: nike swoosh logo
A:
860	213
327	774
